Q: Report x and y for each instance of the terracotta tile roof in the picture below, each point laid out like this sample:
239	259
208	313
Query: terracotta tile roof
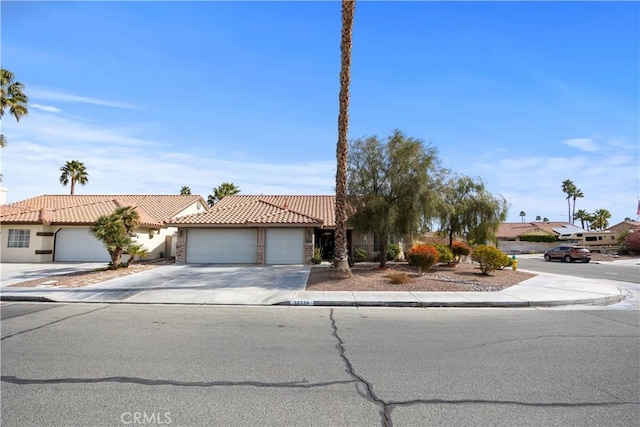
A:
511	230
256	210
154	210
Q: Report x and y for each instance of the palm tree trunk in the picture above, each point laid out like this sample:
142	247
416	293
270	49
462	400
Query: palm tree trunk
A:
73	186
341	262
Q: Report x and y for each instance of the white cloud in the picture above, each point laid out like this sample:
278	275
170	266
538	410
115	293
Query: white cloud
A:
46	108
119	161
584	144
60	131
36	92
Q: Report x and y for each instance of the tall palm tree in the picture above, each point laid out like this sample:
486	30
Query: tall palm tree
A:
13	98
568	188
73	171
224	189
522	215
577	194
185	191
341	262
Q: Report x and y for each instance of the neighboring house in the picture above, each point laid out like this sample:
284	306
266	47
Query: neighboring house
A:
520	237
56	227
249	229
625	226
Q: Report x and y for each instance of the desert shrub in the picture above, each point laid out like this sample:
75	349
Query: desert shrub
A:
489	258
393	251
398	278
622	236
460	249
423	256
444	253
631	243
317	255
360	255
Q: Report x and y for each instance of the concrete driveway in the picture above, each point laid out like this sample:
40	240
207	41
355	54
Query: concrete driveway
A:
11	273
190	284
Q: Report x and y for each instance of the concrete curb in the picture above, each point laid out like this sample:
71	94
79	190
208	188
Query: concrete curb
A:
456	304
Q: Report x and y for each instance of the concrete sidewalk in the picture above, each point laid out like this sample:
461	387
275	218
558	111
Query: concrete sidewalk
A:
544	290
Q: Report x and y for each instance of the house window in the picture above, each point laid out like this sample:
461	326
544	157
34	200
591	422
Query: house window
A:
18	238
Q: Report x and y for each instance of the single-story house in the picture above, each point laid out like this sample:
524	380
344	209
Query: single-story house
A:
56	227
526	237
624	226
258	229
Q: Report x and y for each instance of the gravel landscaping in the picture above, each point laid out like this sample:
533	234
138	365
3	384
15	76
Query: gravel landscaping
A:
465	277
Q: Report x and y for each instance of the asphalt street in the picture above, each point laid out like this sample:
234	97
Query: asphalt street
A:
592	270
104	365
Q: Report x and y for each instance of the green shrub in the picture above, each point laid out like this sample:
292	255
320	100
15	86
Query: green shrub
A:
460	249
398	278
423	256
317	255
393	251
360	255
444	253
489	258
538	238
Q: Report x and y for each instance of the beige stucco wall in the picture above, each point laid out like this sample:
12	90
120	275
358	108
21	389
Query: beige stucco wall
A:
196	207
152	240
35	243
510	246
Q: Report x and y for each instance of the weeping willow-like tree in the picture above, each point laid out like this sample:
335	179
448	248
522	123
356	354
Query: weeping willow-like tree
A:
468	209
392	185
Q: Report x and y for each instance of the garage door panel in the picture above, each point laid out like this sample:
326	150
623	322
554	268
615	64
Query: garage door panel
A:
284	246
222	246
79	245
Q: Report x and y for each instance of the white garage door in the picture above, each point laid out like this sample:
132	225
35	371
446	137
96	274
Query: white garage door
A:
77	244
284	246
222	246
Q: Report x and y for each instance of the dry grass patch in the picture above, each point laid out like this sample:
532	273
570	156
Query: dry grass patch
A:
399	278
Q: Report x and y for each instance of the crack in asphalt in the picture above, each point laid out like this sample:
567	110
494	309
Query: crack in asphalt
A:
52	323
392	404
387	407
369	395
304	384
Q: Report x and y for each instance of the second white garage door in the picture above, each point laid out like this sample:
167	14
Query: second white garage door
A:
222	246
284	246
77	244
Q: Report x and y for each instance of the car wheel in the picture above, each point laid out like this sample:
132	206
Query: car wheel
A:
586	260
567	258
547	257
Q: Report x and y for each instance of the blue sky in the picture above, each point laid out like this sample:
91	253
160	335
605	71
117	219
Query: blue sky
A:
151	96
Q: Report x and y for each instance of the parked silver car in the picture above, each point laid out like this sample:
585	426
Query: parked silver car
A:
568	253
